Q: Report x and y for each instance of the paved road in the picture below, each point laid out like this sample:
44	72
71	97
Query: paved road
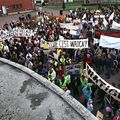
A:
8	19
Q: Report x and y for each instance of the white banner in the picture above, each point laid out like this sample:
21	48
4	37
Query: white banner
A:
99	16
115	25
102	84
74	33
18	32
109	42
54	55
111	17
96	41
69	26
66	43
105	23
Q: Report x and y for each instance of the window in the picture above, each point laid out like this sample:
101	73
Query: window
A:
17	6
13	6
20	5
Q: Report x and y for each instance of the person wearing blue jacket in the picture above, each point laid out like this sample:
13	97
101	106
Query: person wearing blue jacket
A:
87	92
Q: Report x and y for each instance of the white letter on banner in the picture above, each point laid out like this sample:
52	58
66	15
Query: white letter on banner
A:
114	92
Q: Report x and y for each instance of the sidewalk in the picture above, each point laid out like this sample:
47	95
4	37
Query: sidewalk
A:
15	17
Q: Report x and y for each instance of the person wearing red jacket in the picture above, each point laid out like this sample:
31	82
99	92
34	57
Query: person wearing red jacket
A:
60	72
88	59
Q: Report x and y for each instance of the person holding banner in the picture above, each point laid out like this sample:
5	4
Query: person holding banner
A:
87	92
98	63
89	36
109	64
83	81
65	81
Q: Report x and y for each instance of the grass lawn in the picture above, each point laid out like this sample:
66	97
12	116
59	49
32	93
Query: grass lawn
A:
68	6
74	5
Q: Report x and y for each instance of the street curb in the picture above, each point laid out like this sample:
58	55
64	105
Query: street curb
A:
79	108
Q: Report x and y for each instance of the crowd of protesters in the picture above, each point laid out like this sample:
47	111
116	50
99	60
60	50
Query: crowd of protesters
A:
28	52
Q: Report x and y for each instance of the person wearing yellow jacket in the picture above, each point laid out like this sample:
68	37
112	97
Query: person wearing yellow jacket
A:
65	81
52	75
83	81
59	51
1	48
62	60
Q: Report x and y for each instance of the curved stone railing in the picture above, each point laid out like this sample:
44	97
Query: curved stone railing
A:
79	108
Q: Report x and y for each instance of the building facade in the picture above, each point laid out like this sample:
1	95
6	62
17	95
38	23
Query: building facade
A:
12	6
40	1
53	2
59	1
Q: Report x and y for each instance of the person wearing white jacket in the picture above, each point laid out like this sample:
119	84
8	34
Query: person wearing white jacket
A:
90	105
51	75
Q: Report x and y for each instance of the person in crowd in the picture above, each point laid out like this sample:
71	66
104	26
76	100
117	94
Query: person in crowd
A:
52	75
64	83
89	36
60	72
62	60
109	64
90	105
101	97
117	116
1	48
87	92
98	63
89	59
83	81
76	86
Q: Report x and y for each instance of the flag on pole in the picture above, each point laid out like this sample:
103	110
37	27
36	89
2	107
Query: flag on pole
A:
105	23
111	16
84	16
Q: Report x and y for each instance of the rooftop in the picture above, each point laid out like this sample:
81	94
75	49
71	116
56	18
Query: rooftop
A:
23	97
